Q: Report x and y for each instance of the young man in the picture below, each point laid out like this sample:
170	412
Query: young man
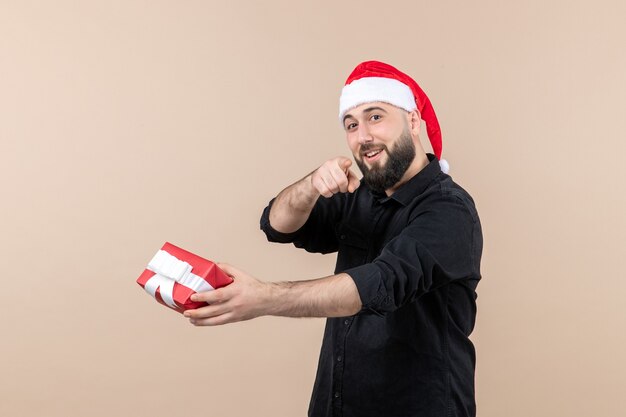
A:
401	305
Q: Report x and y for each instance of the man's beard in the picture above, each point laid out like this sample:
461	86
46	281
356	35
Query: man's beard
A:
399	159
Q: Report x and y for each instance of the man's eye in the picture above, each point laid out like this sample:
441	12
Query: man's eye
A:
351	126
376	117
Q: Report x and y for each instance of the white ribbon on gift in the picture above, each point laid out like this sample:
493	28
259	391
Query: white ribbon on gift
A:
169	270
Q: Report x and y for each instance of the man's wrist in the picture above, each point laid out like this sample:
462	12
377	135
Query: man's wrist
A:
276	298
309	192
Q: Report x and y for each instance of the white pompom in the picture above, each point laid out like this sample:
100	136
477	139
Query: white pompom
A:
445	166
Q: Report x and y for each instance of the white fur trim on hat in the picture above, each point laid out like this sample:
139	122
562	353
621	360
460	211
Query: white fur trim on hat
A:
370	89
445	166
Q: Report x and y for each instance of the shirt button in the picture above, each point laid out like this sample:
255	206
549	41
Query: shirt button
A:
342	237
339	358
336	395
346	322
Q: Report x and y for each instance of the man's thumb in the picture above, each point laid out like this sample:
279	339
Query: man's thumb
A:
346	163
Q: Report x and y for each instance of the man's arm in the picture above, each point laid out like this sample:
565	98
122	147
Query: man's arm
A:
247	298
293	205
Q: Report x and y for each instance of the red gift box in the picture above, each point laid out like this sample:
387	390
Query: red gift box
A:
174	274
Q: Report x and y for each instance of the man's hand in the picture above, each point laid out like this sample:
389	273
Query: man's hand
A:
334	176
244	299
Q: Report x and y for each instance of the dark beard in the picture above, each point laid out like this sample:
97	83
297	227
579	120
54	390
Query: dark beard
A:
399	159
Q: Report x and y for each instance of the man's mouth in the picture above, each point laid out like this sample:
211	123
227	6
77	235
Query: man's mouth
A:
373	155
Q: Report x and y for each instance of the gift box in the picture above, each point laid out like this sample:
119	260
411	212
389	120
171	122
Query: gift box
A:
174	274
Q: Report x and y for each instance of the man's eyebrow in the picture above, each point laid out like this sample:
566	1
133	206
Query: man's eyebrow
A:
369	109
347	116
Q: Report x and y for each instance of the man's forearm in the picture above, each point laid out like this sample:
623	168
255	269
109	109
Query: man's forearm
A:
293	205
248	297
333	296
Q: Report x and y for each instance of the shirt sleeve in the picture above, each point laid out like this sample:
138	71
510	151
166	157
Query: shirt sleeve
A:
317	234
437	247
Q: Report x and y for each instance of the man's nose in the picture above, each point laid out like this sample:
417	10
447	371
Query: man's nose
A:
364	133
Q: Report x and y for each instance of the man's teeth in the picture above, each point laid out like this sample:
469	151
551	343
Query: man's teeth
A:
373	153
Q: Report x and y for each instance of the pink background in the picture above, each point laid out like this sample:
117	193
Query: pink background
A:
124	124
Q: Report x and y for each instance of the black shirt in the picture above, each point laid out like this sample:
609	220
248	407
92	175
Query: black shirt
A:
415	259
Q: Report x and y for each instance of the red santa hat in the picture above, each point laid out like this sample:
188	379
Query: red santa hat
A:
376	81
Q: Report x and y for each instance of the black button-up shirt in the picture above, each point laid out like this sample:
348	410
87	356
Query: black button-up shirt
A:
415	259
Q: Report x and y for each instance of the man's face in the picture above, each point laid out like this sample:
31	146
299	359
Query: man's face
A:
379	137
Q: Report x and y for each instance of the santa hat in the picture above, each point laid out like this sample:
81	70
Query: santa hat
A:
376	81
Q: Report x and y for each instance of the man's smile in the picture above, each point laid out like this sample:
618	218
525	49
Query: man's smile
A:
371	155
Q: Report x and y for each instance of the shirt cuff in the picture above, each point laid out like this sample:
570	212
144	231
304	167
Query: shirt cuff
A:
369	282
272	234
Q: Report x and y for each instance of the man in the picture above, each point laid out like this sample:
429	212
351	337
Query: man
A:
401	304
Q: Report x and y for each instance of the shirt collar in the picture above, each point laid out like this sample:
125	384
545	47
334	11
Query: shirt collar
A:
414	186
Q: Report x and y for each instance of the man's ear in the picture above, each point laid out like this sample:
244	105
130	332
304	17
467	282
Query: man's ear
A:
415	121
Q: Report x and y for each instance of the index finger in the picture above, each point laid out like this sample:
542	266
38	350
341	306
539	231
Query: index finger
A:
210	297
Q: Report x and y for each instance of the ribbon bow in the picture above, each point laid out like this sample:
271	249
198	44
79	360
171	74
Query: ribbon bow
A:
169	270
